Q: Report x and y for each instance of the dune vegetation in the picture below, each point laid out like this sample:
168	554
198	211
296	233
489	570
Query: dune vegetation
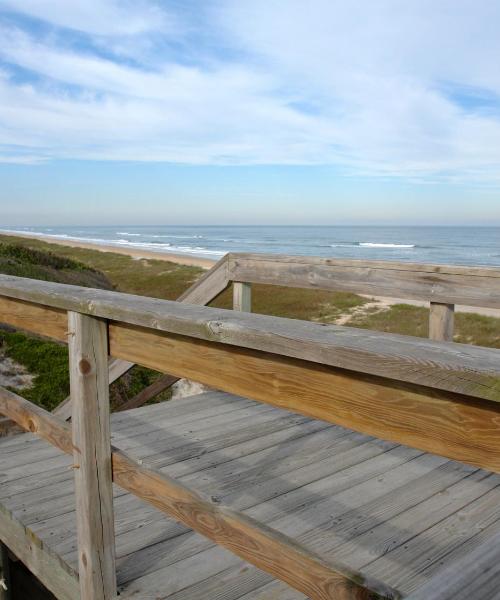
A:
47	360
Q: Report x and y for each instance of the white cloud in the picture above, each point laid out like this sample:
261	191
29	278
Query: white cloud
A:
364	86
98	17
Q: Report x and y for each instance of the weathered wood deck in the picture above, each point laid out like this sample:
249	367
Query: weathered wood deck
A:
306	496
398	514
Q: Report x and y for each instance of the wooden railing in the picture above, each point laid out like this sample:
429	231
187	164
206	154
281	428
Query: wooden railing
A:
436	396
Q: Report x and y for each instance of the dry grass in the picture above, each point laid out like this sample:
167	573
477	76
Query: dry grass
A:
405	319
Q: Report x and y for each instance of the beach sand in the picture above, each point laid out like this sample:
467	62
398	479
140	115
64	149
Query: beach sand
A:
377	302
180	259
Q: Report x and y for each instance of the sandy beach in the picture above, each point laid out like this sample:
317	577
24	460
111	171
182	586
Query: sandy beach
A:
181	259
376	302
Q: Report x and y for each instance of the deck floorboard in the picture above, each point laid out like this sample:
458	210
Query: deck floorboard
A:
403	516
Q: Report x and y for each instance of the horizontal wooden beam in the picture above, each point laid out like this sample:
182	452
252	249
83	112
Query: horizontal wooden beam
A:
461	368
254	542
473	286
449	424
35	318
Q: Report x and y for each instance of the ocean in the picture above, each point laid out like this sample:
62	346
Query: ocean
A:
451	245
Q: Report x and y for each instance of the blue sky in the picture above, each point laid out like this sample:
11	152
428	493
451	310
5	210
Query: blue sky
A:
231	111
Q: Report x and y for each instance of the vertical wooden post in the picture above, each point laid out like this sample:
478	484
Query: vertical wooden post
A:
5	591
441	322
242	296
89	384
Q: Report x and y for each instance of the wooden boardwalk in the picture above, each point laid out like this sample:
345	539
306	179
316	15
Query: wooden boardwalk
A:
270	488
398	514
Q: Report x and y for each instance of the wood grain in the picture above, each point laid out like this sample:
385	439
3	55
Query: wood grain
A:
209	286
441	322
116	369
448	424
35	318
258	544
461	368
88	369
473	286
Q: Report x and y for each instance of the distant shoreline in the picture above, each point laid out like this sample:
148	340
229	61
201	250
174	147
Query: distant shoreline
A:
207	263
181	259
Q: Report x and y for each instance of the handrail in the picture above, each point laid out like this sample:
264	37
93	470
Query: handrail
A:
439	397
461	368
447	284
443	286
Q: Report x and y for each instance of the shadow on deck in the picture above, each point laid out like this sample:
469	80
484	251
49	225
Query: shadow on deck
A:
391	512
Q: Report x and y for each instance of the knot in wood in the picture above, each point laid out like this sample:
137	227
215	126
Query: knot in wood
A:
215	327
84	366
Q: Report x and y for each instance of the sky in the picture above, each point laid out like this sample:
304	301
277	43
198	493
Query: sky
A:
239	111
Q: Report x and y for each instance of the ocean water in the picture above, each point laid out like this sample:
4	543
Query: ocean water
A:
451	245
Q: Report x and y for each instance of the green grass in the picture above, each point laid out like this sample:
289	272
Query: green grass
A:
47	361
294	303
156	278
470	328
23	261
163	279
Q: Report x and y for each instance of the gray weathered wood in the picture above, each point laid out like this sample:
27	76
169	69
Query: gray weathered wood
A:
209	286
441	322
248	539
53	572
117	368
459	368
346	498
5	589
473	286
88	351
242	296
157	387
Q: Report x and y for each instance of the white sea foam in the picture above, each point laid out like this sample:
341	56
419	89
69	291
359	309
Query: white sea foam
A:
127	233
381	245
159	247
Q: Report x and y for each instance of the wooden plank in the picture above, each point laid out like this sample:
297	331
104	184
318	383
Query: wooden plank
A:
474	575
209	286
248	539
88	353
5	591
441	322
427	554
147	394
458	368
32	317
53	572
448	424
203	291
242	296
472	286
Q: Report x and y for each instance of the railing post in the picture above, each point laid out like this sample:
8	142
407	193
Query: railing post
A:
89	382
242	296
441	321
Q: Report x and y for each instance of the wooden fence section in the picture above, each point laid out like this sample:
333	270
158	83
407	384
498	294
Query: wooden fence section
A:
436	396
442	286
